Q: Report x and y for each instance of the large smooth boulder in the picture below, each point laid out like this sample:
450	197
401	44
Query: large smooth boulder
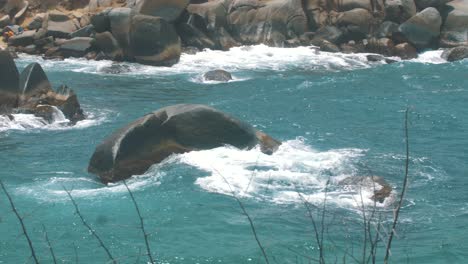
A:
269	22
120	21
174	129
9	86
422	29
455	27
101	21
106	43
357	21
169	10
153	41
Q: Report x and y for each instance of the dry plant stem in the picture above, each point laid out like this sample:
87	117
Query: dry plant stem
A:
322	259
20	219
314	224
77	210
142	225
402	195
252	226
49	245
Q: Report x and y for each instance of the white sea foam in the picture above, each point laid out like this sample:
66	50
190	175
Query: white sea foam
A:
295	172
31	122
430	57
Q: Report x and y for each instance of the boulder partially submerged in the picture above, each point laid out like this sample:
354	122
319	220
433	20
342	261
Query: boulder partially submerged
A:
218	76
173	129
381	188
32	93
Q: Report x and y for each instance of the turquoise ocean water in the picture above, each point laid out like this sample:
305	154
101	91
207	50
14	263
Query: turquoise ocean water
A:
338	116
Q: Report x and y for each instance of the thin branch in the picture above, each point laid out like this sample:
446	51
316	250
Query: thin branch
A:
252	226
49	245
323	219
403	191
142	225
20	219
77	210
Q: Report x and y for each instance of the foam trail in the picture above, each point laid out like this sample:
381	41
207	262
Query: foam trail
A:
30	122
430	57
295	168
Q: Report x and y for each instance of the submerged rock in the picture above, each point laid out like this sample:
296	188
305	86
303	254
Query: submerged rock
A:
174	129
218	75
455	54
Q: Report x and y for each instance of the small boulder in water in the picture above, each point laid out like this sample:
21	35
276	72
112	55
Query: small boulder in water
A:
375	58
115	69
382	189
170	130
218	76
455	54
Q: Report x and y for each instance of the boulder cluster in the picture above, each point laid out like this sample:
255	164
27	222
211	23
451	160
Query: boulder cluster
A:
31	93
155	32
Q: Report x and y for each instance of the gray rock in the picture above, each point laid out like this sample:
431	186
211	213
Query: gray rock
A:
168	10
387	29
33	79
5	21
59	25
87	31
174	129
329	33
422	29
218	75
120	22
101	21
24	39
406	51
76	47
153	41
421	4
329	47
375	58
37	21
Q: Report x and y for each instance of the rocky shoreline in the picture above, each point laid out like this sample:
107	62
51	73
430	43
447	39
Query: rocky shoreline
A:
156	32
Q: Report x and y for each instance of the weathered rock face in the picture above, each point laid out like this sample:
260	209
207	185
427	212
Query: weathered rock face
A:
455	27
218	75
423	28
153	41
271	22
168	10
174	129
59	25
10	81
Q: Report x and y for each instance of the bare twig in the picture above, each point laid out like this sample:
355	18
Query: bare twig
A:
403	191
323	220
49	245
77	210
20	220
142	225
252	226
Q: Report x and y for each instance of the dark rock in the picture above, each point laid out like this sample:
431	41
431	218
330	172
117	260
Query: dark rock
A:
153	41
375	58
115	69
10	81
101	21
106	43
120	22
421	4
357	21
352	47
406	51
43	41
33	80
329	47
382	46
422	29
455	54
66	100
174	129
387	29
37	21
218	75
168	10
76	47
30	49
192	36
5	21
